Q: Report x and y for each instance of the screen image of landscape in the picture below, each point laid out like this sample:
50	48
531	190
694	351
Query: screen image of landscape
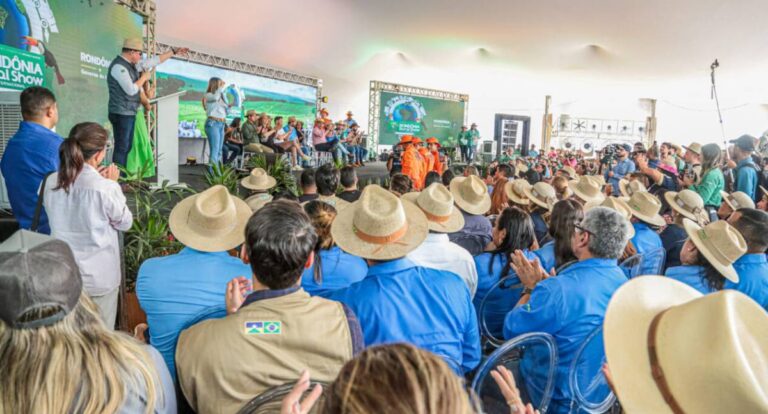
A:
403	114
244	91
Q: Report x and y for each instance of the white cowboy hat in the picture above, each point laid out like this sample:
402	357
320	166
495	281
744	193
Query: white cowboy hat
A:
599	178
694	148
720	243
587	189
379	226
737	200
707	352
515	191
436	202
627	188
570	172
645	206
471	194
211	221
541	194
616	204
133	43
334	201
688	203
257	201
258	179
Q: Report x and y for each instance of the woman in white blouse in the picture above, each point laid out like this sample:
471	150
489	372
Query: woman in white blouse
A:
86	208
215	105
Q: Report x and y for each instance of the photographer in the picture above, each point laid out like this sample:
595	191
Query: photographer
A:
623	166
662	179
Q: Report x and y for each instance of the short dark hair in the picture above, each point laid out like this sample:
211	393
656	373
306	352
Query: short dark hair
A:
505	170
35	100
307	178
400	183
431	178
278	118
327	179
348	176
279	239
448	176
285	194
753	226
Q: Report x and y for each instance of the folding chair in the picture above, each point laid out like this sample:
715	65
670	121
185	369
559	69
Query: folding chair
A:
589	389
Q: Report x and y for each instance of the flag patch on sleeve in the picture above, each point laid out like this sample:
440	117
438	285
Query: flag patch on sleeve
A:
263	328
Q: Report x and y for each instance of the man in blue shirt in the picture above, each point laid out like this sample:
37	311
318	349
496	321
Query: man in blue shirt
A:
31	154
753	266
745	173
646	220
572	305
173	290
399	301
472	198
624	166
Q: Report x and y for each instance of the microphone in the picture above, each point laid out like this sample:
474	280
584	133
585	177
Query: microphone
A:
714	65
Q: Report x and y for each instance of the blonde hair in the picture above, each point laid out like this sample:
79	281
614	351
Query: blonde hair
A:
321	214
75	365
213	85
397	378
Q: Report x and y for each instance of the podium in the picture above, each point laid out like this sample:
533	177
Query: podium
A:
167	137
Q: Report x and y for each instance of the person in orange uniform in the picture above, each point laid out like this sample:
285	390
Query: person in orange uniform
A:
434	149
425	158
412	166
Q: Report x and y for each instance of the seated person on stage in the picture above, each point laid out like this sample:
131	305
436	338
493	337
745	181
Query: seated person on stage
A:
348	180
250	134
399	301
437	251
173	290
471	196
707	256
269	337
646	221
753	266
308	186
327	181
685	204
333	268
558	252
571	305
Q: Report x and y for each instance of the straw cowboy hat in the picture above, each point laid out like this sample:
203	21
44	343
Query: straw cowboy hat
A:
471	194
616	204
334	201
133	44
570	172
516	191
379	226
720	243
211	221
627	188
688	203
737	200
669	345
541	194
599	178
521	167
765	192
695	148
436	202
257	180
257	201
586	189
645	206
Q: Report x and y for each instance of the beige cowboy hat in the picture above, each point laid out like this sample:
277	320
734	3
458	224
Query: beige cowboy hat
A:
541	194
379	226
516	191
765	192
708	351
471	194
645	206
737	200
257	201
616	204
694	147
258	179
570	172
599	178
521	168
627	188
720	243
436	202
133	43
586	189
211	221
336	202
688	203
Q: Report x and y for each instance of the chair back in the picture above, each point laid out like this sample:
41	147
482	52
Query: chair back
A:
269	401
589	389
631	266
652	262
532	359
495	306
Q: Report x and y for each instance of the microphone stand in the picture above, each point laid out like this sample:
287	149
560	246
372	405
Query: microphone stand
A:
713	95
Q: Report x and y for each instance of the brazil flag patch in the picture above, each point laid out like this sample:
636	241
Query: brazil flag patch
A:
263	328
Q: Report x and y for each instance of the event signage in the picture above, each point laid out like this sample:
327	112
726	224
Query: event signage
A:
20	69
403	114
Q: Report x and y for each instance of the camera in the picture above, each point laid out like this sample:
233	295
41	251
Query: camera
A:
609	154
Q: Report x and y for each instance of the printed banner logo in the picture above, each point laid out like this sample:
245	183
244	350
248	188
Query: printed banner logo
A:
405	115
263	328
20	69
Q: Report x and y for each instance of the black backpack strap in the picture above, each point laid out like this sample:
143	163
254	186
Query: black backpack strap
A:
39	206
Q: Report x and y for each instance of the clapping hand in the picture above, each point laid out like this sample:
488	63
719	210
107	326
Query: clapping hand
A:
110	172
235	296
530	272
506	382
292	403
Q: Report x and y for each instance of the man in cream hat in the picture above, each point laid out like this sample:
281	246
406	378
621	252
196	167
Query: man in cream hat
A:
173	289
692	160
686	204
126	77
251	140
629	187
571	305
543	198
752	267
471	197
259	182
515	190
658	331
399	301
586	190
437	251
733	202
646	220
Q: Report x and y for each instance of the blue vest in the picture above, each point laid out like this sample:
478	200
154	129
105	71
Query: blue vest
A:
119	102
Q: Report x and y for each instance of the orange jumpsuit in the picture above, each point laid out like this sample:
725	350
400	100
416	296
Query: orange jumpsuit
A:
428	161
436	164
412	167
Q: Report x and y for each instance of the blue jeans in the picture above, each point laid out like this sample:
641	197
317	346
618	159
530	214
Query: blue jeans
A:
230	151
470	153
214	130
122	126
359	152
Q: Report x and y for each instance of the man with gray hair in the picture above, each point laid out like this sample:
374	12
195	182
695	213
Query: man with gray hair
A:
572	305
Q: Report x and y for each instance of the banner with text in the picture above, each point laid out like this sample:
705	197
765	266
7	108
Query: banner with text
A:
416	115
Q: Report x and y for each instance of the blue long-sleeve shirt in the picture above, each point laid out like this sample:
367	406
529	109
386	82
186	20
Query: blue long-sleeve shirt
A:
692	276
432	309
753	277
621	169
546	255
645	239
746	177
339	270
672	238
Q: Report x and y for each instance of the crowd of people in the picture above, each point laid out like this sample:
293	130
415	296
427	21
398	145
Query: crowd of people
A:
376	292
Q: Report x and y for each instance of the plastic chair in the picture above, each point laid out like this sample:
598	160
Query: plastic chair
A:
496	304
652	262
631	266
589	389
532	359
270	400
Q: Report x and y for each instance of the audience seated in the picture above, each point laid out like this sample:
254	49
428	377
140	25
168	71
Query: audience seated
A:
258	182
308	186
685	204
327	181
542	197
447	177
752	267
732	202
432	177
516	193
436	314
437	251
332	268
275	332
586	190
173	289
348	180
400	184
557	252
471	197
646	220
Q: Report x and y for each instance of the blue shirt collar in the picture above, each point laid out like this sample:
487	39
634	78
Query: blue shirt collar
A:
593	262
745	161
269	294
189	250
752	258
37	128
393	266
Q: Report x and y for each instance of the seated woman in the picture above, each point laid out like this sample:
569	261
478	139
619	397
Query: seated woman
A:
513	231
542	197
708	256
557	252
686	204
285	138
233	142
333	268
